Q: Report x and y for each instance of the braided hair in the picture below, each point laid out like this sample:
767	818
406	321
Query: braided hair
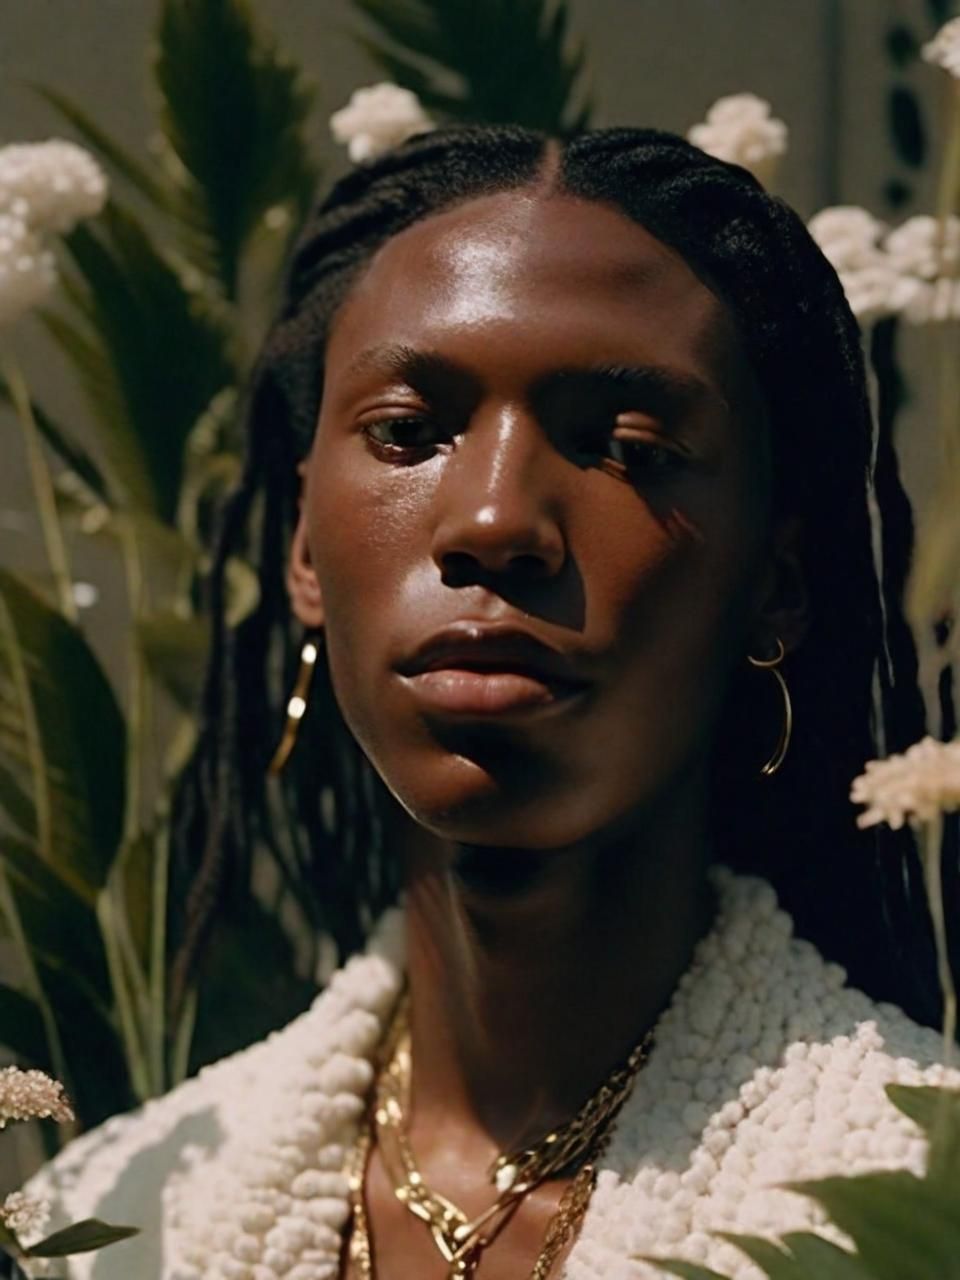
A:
855	894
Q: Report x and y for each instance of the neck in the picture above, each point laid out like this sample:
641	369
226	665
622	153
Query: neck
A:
534	973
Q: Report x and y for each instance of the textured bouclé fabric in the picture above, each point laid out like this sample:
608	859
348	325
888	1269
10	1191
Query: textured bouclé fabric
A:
766	1068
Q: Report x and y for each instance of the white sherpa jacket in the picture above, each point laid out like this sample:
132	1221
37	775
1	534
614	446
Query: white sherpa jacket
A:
766	1068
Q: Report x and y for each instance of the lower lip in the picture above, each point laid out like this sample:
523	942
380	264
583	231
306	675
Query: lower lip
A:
487	693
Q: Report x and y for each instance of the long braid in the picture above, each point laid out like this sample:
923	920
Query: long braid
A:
844	887
798	829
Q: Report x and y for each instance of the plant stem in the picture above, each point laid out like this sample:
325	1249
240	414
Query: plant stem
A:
136	698
136	1063
948	190
180	1059
932	841
126	949
138	734
44	496
158	959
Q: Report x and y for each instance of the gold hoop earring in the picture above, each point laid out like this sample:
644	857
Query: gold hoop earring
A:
771	664
296	706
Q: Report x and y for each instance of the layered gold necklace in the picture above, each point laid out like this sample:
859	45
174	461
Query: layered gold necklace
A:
575	1147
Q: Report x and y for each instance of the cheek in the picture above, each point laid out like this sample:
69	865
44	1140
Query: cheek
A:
368	528
672	569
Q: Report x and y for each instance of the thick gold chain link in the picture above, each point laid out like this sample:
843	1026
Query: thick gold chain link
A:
460	1240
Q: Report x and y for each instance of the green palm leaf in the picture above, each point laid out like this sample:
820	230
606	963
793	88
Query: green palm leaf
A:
937	1112
62	741
59	925
233	112
114	156
80	1237
76	460
902	1226
686	1270
22	1026
148	359
493	61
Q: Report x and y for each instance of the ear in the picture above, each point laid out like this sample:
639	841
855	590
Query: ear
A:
302	585
782	601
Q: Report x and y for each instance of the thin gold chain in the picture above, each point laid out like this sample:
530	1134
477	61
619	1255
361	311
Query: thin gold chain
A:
459	1240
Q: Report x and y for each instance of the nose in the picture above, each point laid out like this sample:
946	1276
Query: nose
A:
499	505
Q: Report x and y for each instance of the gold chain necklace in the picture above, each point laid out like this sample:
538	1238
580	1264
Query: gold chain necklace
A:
460	1240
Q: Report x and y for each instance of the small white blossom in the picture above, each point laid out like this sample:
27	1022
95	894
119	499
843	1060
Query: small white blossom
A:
849	238
51	185
27	269
924	246
85	594
913	787
45	188
39	1268
741	130
26	1216
877	291
944	49
378	118
925	252
29	1095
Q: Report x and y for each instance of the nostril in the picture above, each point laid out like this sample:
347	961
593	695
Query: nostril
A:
459	569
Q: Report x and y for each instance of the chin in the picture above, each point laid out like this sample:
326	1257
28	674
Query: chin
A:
462	801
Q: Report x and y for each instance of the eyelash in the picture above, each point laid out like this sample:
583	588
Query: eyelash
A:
400	454
644	451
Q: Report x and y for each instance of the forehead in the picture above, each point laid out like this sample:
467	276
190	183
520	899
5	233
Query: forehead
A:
531	278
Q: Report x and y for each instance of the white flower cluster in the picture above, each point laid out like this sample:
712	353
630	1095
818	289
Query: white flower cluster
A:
913	271
52	185
29	1095
925	253
26	1216
45	189
913	787
944	49
28	271
741	130
378	118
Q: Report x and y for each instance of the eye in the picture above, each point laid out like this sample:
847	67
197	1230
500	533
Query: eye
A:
639	455
404	439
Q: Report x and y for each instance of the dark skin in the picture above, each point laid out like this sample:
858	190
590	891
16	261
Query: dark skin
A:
492	446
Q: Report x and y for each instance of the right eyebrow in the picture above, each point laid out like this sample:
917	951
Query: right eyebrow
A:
409	363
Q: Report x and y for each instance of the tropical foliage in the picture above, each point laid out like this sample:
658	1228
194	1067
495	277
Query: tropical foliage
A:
165	296
503	61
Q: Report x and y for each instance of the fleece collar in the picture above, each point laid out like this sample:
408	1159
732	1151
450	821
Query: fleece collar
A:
749	1084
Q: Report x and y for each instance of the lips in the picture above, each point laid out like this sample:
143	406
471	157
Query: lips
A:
484	670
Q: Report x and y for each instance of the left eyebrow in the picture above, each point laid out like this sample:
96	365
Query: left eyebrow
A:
663	387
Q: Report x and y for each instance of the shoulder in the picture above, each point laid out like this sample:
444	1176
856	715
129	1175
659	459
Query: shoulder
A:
129	1170
119	1171
768	1068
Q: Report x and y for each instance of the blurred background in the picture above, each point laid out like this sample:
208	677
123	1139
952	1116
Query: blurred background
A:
866	121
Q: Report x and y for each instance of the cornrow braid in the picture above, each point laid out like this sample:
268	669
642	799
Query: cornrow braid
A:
853	679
